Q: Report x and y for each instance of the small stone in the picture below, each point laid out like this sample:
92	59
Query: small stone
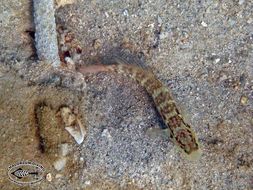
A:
62	3
77	133
68	117
125	12
159	20
203	24
58	176
217	60
232	22
164	35
106	14
241	2
151	25
250	20
87	182
49	177
96	43
70	63
106	134
64	149
72	124
244	100
60	163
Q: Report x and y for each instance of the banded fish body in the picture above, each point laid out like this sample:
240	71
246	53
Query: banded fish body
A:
178	130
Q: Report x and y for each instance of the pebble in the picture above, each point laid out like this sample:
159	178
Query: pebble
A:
64	149
164	35
70	63
244	100
232	22
49	177
106	134
203	24
250	20
159	20
241	2
58	176
125	13
62	3
60	163
217	60
87	182
106	14
73	124
97	43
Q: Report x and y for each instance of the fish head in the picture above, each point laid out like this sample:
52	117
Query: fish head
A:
188	143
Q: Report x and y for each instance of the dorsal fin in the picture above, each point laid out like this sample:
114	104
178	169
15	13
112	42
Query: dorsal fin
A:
125	56
129	60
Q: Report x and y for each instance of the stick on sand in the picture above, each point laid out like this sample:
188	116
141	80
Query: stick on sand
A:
45	31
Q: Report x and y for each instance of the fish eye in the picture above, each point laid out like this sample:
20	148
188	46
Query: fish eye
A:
187	149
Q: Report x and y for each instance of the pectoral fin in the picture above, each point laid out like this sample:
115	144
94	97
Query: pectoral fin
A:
158	132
